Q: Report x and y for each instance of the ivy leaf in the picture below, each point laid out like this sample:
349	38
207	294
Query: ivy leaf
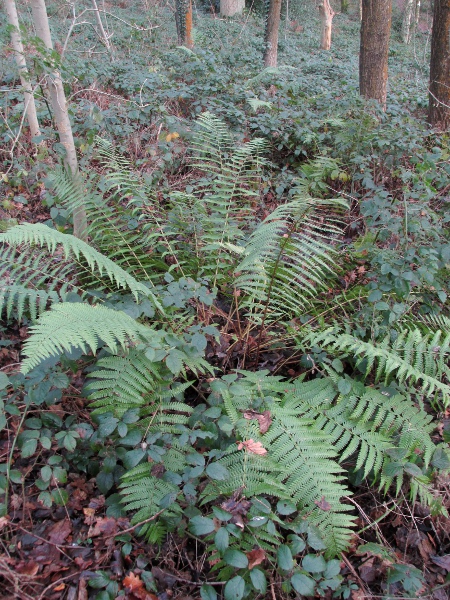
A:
259	580
217	471
201	525
221	539
235	588
235	559
313	563
284	558
303	584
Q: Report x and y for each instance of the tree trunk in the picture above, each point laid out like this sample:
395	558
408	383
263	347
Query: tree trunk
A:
408	20
360	10
439	92
59	105
183	19
417	13
326	19
16	42
228	8
344	6
271	34
103	35
374	49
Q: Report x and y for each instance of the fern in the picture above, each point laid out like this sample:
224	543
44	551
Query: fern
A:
289	259
112	228
78	250
411	358
145	493
67	326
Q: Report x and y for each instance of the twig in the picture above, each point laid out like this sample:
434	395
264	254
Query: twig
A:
135	526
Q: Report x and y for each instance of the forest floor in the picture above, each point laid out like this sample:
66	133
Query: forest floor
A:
74	550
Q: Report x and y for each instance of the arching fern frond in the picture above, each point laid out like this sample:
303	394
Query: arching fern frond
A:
71	247
411	357
25	299
75	325
289	258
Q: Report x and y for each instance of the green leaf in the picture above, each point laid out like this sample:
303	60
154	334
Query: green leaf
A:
221	539
392	469
284	558
303	585
46	473
413	469
29	448
259	580
15	476
133	457
70	442
4	381
313	563
440	459
314	539
45	499
333	569
104	481
374	296
174	361
207	592
285	507
235	588
217	471
235	559
297	544
60	496
344	386
201	525
99	580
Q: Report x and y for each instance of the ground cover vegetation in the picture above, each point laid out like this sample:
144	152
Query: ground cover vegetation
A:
236	385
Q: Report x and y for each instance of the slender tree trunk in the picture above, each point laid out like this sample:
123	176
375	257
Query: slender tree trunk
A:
16	42
417	13
326	19
439	92
183	19
374	49
59	105
344	6
103	34
408	20
228	8
360	10
271	34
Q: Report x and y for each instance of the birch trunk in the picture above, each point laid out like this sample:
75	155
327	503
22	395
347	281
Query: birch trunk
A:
59	105
326	19
271	34
103	34
417	13
16	42
408	20
228	8
439	92
374	49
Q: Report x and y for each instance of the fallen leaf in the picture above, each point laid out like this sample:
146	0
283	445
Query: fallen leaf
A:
252	447
255	557
103	525
264	419
59	588
29	568
3	522
89	515
59	531
442	561
323	504
134	582
82	591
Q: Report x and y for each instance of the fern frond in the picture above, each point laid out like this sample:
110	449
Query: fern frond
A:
120	383
67	326
289	258
112	228
23	299
72	247
411	357
144	493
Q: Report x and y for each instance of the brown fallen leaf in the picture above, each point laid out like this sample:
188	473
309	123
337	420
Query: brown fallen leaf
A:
3	521
82	590
323	504
136	588
442	561
59	531
252	447
103	525
264	419
255	557
29	568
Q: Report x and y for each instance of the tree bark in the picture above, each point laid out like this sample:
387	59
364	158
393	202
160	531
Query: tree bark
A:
228	8
408	20
271	34
183	19
326	19
59	105
439	92
16	42
103	35
344	6
374	49
417	13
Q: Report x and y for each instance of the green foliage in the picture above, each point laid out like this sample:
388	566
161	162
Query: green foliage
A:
411	357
